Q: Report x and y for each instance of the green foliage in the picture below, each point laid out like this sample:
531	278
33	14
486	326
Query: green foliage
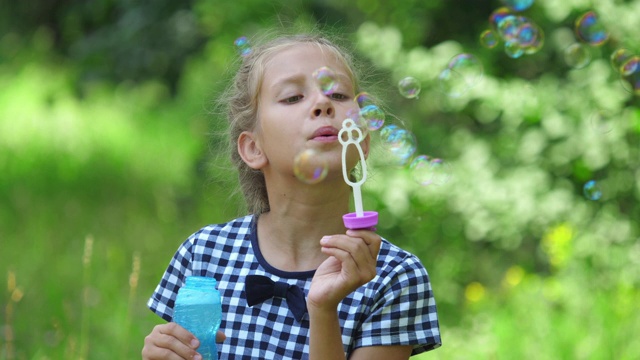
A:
109	158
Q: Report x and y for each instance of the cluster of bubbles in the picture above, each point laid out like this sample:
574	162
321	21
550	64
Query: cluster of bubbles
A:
399	143
521	35
590	31
242	45
463	72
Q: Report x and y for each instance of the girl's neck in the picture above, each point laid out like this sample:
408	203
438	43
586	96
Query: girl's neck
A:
289	234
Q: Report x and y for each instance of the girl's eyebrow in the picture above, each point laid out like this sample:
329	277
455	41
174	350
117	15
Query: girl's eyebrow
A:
295	79
298	79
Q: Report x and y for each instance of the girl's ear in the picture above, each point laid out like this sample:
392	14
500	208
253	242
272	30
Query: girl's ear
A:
365	145
250	151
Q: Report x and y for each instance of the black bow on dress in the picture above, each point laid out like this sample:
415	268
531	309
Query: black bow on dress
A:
260	288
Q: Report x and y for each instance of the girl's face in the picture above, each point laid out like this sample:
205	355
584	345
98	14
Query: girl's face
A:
294	114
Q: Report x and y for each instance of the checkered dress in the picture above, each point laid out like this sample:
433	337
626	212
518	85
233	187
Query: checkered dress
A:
397	307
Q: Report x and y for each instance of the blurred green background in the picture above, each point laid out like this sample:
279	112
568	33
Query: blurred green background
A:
108	161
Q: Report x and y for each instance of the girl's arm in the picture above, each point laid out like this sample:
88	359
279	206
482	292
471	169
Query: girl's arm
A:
351	264
389	352
326	341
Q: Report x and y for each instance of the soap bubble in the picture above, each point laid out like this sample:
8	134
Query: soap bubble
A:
326	80
497	16
363	99
509	26
589	28
632	81
361	123
518	5
242	45
489	39
592	190
373	116
630	66
441	171
527	34
577	56
619	58
513	49
309	167
370	113
463	72
601	121
427	171
537	43
400	142
409	87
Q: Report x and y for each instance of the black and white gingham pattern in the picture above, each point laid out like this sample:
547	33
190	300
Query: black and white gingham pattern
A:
396	308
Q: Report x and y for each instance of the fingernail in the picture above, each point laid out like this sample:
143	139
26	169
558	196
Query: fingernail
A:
324	240
197	357
195	343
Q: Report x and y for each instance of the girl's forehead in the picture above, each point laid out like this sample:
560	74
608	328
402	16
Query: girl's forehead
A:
304	59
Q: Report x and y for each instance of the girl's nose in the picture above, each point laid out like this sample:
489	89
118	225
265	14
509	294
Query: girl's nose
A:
327	110
323	107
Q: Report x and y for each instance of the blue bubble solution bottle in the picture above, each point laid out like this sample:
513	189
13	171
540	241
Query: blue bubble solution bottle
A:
199	310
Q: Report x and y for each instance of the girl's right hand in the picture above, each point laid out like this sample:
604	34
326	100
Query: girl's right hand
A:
171	341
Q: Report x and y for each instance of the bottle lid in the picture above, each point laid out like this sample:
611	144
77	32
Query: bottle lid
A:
369	219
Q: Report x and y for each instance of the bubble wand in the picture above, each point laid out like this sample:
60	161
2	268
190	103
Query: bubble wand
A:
360	219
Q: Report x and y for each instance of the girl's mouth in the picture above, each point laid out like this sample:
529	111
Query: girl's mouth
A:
325	134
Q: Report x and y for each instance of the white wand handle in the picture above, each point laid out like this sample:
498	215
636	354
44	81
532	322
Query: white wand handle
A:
349	128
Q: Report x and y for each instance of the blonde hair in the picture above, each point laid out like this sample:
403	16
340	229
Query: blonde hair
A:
241	103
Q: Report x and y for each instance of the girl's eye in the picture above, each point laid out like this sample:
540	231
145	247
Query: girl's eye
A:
338	96
292	99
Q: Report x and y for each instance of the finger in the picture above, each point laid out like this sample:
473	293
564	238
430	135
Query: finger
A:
365	235
177	339
372	240
356	272
162	346
220	336
365	256
173	346
357	247
354	247
348	265
181	334
152	353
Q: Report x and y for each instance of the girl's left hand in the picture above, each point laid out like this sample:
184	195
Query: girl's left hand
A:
351	264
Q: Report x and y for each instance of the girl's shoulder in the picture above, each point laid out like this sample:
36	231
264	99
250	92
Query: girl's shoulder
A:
236	229
393	259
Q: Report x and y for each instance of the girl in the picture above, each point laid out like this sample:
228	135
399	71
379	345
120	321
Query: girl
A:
365	298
